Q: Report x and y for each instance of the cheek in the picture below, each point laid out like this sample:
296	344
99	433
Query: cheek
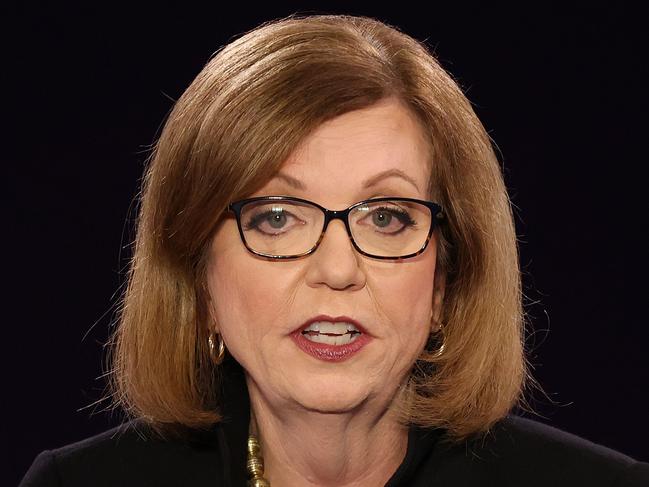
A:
403	295
249	297
406	286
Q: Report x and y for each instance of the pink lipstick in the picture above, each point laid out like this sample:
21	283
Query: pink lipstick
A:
331	339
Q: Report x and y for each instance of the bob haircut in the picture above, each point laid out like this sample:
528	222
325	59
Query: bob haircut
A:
248	109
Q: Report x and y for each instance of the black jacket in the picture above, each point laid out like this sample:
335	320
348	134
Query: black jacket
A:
517	452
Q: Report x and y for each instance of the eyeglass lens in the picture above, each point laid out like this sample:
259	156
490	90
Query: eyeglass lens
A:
383	228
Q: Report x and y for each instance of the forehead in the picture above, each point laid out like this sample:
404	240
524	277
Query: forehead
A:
346	153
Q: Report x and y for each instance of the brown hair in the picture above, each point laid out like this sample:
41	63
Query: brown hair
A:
242	116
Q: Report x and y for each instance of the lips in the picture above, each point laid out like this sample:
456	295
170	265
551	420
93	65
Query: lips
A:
331	339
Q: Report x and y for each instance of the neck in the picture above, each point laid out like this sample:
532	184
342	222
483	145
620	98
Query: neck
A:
359	448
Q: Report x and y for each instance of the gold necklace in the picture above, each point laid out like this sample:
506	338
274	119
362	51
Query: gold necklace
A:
255	464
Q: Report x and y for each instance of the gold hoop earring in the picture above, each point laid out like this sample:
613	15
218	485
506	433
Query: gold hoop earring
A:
216	356
440	349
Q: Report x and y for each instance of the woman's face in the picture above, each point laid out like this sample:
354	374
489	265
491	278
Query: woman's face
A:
260	305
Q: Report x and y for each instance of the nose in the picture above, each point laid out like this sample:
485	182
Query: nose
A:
335	263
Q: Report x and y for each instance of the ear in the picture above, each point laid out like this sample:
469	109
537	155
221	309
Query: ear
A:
438	296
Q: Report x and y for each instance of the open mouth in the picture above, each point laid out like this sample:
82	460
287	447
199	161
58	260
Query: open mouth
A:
329	333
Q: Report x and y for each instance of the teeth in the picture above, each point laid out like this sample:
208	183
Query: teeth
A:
331	333
332	340
337	328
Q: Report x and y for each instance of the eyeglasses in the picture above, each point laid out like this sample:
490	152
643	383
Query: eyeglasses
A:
283	227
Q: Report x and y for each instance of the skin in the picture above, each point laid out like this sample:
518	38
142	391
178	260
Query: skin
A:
323	423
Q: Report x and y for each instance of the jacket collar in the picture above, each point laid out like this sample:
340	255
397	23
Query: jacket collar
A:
232	431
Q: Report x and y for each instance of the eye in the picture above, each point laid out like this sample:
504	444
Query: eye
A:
381	218
273	221
388	220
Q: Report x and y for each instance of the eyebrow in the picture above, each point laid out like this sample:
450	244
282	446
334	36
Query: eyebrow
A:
373	181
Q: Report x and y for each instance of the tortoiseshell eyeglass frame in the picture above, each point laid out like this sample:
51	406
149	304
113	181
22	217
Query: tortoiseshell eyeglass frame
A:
437	215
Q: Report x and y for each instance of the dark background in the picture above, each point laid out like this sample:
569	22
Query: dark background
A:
561	91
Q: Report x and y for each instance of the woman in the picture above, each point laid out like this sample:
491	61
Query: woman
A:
325	286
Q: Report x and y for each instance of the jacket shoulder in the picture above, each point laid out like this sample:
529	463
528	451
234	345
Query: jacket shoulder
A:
528	452
130	454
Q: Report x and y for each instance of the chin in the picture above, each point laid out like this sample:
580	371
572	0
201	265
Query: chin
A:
329	396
